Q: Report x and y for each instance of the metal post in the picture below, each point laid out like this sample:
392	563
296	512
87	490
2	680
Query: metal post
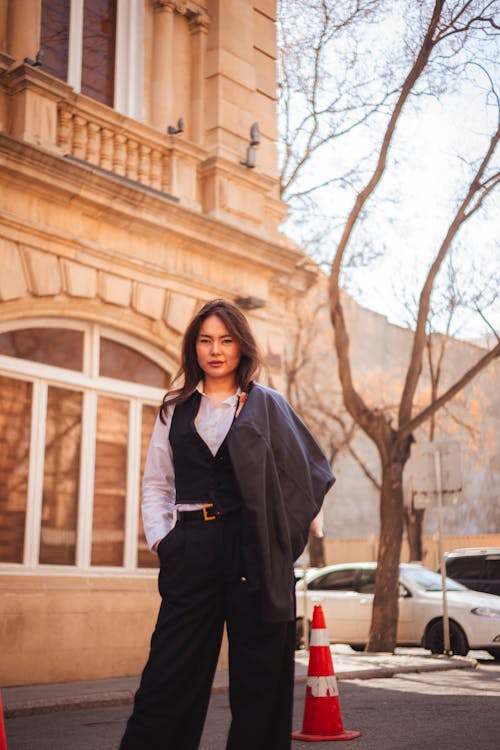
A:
439	488
305	619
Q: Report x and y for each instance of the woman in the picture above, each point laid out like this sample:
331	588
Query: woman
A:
245	479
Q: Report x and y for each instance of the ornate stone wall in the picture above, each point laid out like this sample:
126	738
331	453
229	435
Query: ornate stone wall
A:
113	222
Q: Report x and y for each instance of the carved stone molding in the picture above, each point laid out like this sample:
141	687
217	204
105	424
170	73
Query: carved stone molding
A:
196	15
160	5
198	21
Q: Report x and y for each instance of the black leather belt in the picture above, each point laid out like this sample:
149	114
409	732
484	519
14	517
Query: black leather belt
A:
208	513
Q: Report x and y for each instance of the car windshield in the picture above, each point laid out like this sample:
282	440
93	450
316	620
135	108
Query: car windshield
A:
428	580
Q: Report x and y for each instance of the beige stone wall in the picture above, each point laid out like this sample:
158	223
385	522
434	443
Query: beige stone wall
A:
55	629
108	219
212	64
128	225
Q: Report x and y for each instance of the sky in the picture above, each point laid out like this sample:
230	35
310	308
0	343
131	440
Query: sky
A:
415	202
427	188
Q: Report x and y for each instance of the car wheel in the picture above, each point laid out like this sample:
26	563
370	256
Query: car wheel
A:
494	652
299	633
357	646
434	639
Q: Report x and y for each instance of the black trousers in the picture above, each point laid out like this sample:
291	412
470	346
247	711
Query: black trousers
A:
202	585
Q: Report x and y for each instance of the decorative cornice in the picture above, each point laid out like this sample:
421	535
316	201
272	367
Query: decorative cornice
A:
196	15
160	5
199	22
156	215
6	61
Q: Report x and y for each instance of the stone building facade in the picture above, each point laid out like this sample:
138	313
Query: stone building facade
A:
138	180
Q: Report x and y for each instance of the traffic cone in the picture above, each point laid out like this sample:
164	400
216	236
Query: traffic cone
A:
3	738
322	717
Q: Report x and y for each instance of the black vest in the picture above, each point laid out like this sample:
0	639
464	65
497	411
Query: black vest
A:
200	477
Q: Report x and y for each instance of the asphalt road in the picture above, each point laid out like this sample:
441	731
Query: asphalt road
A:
457	709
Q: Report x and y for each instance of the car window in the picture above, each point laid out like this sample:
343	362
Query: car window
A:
428	580
466	567
366	581
336	580
493	567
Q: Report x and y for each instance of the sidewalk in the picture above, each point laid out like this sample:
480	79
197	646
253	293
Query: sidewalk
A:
348	665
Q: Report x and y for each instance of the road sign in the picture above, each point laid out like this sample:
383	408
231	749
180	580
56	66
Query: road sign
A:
422	471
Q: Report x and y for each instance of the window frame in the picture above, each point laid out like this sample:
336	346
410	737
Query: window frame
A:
128	95
91	384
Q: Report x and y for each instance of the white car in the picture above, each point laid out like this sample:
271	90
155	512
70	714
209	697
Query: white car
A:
346	595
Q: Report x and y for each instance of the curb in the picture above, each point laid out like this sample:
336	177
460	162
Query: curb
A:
369	673
107	699
68	703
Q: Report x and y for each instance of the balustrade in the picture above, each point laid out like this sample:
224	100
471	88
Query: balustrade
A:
111	147
46	112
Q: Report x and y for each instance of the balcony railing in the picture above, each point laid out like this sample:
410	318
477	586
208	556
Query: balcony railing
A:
42	110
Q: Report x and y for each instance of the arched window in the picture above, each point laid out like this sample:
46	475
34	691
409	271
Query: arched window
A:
77	407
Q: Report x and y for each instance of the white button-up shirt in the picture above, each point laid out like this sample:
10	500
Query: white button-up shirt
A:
158	486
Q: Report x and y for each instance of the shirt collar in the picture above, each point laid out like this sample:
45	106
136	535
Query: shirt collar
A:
232	400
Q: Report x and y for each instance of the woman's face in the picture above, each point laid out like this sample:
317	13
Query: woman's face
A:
217	352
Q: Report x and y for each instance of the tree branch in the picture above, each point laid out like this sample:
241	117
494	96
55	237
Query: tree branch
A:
366	471
426	413
415	364
353	401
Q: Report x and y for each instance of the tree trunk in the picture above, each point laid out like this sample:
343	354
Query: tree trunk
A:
414	521
385	602
316	546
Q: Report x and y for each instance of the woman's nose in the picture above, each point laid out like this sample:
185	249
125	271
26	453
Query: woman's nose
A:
215	347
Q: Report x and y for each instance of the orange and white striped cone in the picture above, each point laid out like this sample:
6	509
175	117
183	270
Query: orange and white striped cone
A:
322	717
3	738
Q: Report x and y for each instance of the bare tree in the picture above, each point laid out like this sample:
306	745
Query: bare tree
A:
443	324
437	49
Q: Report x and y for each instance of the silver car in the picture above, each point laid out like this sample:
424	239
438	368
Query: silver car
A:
346	595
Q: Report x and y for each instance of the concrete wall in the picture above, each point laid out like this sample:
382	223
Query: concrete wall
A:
379	354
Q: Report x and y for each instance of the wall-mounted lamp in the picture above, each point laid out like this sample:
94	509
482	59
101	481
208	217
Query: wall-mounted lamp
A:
254	141
250	303
173	130
36	62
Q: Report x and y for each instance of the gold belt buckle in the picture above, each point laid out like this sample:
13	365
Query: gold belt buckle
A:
206	517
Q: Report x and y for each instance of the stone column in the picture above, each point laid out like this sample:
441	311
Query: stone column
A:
23	28
230	78
199	28
162	64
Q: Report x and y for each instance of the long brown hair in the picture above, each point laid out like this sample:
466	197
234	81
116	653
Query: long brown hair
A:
237	325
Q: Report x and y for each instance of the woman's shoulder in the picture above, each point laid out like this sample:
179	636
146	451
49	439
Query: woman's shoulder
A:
264	400
167	406
169	397
175	398
266	393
